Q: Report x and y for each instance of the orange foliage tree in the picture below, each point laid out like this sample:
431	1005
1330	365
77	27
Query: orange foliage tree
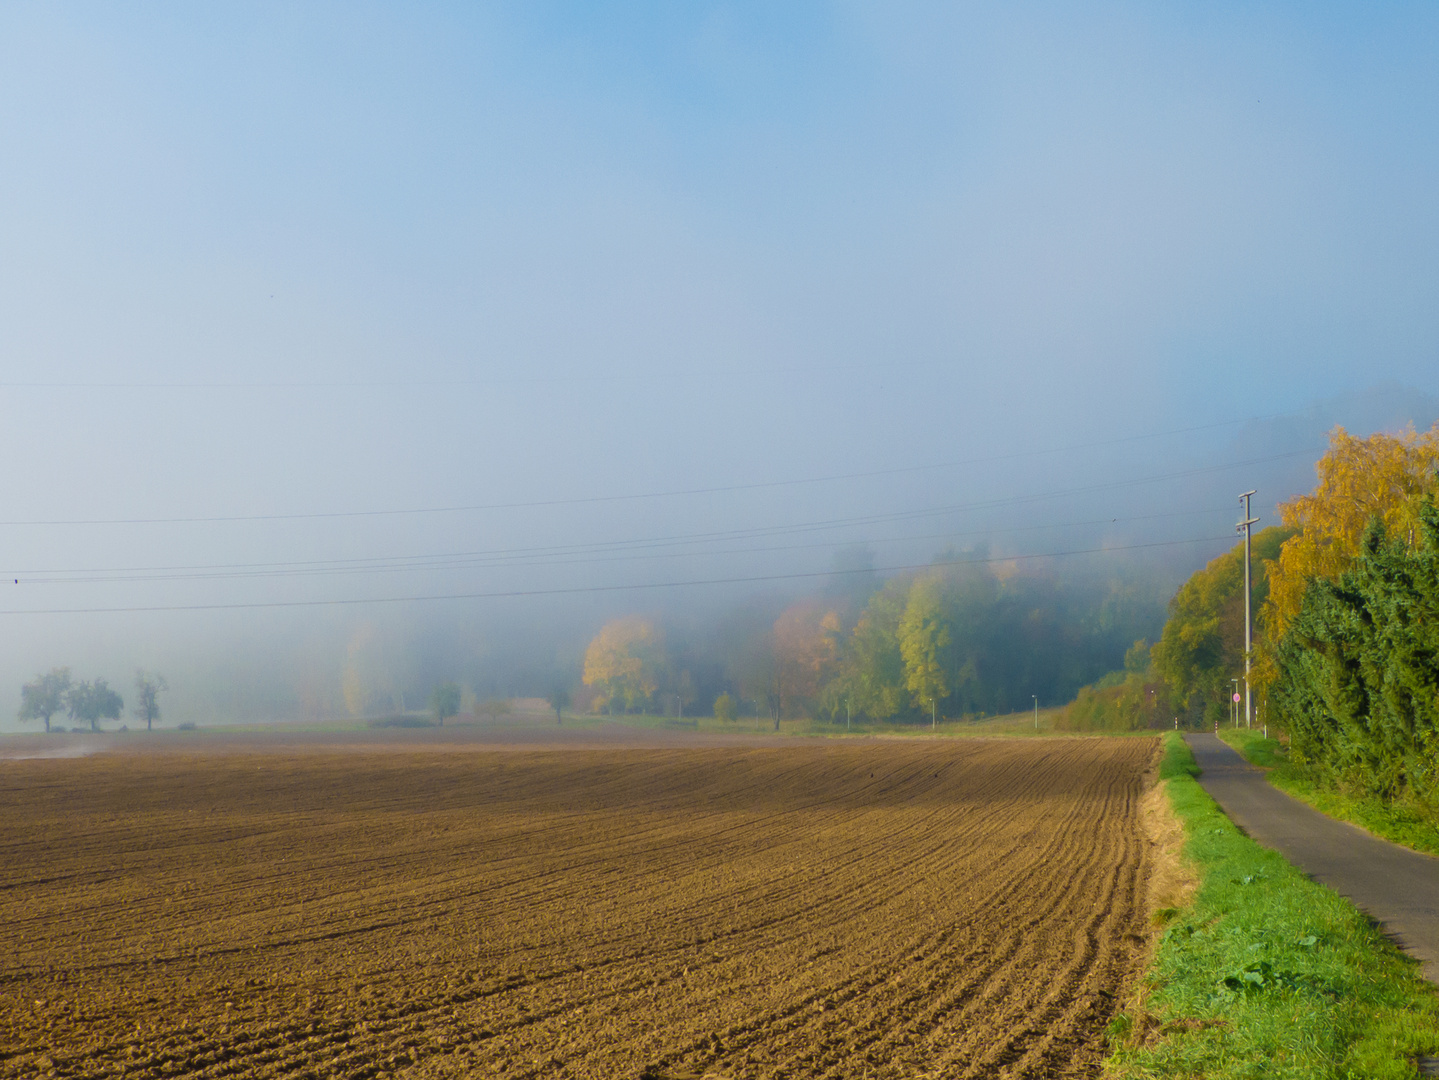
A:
805	648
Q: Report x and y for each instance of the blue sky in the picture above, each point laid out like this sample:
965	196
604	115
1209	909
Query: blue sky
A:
262	259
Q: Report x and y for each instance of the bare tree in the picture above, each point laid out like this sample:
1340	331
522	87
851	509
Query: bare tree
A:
147	690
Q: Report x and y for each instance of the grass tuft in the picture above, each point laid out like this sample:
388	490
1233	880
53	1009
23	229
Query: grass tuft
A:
1267	973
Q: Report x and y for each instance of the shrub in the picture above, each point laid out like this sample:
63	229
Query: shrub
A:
725	708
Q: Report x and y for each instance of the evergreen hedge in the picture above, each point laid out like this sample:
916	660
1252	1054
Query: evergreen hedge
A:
1358	669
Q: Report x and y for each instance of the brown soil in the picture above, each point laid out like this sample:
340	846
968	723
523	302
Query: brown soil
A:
891	909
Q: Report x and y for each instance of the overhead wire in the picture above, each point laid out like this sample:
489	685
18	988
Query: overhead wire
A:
547	557
588	500
579	589
624	550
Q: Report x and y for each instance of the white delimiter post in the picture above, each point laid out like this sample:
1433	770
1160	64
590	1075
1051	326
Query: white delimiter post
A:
1243	526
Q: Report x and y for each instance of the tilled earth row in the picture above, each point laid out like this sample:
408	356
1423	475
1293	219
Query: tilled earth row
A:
891	909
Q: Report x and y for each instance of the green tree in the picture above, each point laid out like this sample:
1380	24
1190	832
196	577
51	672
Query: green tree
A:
924	637
1137	660
1202	646
1357	673
559	697
45	696
91	702
493	708
445	702
724	708
147	691
871	675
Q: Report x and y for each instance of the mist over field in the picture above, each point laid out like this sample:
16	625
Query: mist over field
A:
410	346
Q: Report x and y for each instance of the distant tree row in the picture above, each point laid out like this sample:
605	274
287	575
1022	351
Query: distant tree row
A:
956	639
88	701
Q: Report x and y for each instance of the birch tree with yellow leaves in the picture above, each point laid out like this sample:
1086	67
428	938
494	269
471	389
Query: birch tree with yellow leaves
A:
924	637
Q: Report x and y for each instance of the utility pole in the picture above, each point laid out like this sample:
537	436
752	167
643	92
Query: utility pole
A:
846	714
1036	711
1245	527
933	706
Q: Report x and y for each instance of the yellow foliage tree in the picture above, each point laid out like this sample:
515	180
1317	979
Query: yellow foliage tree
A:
1384	476
622	663
367	683
923	640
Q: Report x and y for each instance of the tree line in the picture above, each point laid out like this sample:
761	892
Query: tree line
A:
958	639
89	700
1346	659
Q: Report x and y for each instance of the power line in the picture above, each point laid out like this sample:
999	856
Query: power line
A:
463	560
588	500
512	593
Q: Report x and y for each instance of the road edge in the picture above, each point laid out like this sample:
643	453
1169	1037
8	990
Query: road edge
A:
1265	967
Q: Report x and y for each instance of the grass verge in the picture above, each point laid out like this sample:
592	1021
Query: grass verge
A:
1267	973
1398	822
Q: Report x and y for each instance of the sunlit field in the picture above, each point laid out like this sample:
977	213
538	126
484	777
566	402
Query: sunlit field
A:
889	908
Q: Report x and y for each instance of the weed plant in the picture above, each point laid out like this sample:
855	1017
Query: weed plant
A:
1267	974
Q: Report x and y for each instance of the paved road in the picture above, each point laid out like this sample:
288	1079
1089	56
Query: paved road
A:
1394	885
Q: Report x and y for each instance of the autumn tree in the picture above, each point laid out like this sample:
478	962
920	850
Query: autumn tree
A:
1202	645
1380	477
147	692
805	649
754	671
924	638
45	696
623	663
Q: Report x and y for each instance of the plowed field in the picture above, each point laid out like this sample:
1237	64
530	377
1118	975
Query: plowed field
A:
892	909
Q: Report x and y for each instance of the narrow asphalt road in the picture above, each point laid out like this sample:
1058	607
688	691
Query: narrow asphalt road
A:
1396	886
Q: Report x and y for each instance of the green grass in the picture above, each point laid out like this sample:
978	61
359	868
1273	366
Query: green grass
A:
1402	823
1267	973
